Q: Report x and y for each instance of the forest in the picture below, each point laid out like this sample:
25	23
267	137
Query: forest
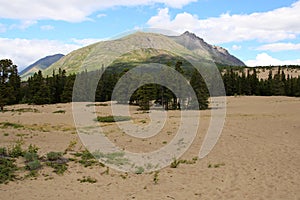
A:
58	88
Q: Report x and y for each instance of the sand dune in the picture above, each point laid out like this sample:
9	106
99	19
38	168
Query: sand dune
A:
256	157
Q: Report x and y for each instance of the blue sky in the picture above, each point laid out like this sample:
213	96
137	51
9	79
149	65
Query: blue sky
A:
258	32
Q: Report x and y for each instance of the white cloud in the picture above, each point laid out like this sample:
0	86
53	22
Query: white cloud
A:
24	52
236	47
280	47
47	27
272	26
101	15
23	25
70	10
263	59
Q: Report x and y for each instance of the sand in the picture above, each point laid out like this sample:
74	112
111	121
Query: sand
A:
256	157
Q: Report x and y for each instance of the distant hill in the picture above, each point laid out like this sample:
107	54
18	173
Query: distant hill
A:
41	64
141	47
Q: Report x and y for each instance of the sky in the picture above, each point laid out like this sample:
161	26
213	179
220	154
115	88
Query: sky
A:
259	32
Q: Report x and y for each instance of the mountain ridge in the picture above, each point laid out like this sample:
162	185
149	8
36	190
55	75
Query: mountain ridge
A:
104	53
40	64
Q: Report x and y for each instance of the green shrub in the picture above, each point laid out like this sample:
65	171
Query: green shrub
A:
33	165
12	125
139	170
87	159
31	156
87	180
3	151
109	119
175	163
59	168
32	148
53	156
16	150
59	111
7	170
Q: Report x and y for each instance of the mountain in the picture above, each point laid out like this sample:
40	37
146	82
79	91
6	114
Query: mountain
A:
41	64
199	46
141	47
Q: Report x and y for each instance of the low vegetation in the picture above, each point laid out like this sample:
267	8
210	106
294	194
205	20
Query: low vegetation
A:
87	179
109	119
60	111
176	162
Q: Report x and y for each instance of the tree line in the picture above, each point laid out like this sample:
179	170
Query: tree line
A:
248	83
58	88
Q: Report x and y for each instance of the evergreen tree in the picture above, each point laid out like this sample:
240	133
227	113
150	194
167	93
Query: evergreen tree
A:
201	91
9	83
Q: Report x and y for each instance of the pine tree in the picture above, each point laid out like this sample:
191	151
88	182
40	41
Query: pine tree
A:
201	91
9	83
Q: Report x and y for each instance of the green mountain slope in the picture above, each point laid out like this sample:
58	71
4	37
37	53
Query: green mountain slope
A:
140	47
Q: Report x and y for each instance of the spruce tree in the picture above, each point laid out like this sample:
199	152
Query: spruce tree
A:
201	91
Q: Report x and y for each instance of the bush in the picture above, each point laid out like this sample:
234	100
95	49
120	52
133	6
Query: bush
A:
32	148
175	163
110	118
87	179
29	156
12	125
17	150
33	165
3	152
53	156
7	170
60	111
59	168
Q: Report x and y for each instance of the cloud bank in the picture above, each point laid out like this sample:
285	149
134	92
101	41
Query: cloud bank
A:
70	10
272	26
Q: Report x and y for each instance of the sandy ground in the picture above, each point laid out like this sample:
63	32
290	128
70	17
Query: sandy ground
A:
256	157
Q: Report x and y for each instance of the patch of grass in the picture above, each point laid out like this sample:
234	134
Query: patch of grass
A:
164	142
59	168
6	134
87	159
139	170
87	179
71	146
176	162
60	111
7	170
115	158
32	173
26	110
57	162
215	165
11	125
109	119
